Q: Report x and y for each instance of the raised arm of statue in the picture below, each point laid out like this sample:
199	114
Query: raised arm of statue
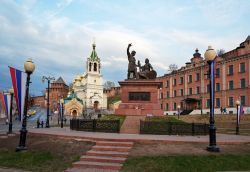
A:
128	53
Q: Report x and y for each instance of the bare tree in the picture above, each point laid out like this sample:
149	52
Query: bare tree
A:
172	67
108	84
220	52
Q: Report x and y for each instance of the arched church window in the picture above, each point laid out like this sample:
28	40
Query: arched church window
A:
90	64
95	67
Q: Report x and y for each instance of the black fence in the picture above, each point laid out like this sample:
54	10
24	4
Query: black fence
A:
111	126
173	128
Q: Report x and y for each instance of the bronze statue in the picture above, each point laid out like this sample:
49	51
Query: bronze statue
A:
132	71
146	71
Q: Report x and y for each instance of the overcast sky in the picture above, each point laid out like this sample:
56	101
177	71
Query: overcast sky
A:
58	35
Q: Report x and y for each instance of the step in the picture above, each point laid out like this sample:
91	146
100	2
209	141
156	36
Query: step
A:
81	169
107	153
102	159
111	148
107	143
99	165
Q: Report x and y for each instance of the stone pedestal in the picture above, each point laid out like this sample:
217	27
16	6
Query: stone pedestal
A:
140	97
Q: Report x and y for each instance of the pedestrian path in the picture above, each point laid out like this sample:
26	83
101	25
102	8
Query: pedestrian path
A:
103	157
131	125
118	137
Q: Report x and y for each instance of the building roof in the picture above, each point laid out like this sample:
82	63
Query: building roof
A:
60	81
72	95
94	56
248	38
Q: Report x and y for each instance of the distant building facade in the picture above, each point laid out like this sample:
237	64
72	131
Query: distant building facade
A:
189	85
58	90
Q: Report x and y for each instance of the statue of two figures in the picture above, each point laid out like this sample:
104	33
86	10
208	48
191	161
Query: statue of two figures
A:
145	72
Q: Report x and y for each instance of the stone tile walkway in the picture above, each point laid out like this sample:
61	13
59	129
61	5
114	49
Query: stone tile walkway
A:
131	125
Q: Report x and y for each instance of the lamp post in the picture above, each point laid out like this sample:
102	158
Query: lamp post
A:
178	108
48	78
210	55
29	67
62	111
237	116
11	91
201	104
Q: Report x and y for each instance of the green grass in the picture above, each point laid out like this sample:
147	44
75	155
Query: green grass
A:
186	163
33	160
163	119
114	117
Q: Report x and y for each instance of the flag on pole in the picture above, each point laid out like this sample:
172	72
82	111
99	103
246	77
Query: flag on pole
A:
5	98
19	85
240	112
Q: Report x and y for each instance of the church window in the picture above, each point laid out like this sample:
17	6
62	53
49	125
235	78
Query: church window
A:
90	64
95	67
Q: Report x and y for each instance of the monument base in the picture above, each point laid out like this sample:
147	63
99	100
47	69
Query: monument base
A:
140	97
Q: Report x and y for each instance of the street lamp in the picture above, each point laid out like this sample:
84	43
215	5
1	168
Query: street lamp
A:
178	108
237	116
210	55
62	111
11	91
48	79
29	68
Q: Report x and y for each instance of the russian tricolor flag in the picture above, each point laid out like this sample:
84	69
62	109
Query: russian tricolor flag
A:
19	84
240	113
5	98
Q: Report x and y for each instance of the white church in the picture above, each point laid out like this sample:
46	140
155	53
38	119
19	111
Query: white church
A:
87	88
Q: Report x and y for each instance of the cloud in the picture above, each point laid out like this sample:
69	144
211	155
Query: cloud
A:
60	45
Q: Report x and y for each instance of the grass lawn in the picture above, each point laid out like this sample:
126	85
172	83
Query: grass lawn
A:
114	117
44	154
34	160
163	119
192	163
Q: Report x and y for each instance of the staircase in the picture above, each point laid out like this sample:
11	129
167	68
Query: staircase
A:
103	157
131	125
186	112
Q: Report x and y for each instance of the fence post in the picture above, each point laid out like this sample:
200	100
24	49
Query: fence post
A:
118	126
94	124
77	124
193	131
170	128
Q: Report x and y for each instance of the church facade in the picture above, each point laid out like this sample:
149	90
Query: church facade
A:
88	87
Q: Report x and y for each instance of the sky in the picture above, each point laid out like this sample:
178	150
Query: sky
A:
58	35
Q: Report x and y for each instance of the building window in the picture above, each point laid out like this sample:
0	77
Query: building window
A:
230	70
197	90
161	106
95	67
208	103
166	106
175	93
175	106
174	82
231	101
242	67
217	87
182	105
242	83
161	96
190	91
167	94
181	80
217	102
217	72
197	76
181	92
231	85
189	78
167	84
243	100
208	88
